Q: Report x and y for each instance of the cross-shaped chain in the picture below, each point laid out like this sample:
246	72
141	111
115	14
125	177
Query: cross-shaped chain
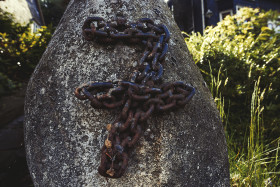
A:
137	97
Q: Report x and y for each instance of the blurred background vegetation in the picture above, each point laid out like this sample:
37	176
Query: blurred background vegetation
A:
239	60
20	50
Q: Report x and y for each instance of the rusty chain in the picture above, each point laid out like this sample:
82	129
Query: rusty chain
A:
137	97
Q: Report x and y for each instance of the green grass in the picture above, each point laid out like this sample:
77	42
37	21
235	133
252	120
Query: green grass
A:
255	162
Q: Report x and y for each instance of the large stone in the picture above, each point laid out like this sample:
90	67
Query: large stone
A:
63	135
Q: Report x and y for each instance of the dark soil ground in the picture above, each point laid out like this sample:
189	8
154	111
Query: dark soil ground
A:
13	167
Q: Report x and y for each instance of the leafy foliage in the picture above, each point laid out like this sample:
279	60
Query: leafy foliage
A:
240	61
244	48
20	51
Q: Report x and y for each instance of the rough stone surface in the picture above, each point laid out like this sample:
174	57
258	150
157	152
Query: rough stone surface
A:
63	135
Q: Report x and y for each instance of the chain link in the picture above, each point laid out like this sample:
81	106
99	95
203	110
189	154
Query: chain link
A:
137	97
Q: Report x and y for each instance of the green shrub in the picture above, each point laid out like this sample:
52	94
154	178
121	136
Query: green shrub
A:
240	61
20	51
244	48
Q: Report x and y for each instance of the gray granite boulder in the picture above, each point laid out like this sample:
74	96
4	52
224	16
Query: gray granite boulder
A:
63	135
